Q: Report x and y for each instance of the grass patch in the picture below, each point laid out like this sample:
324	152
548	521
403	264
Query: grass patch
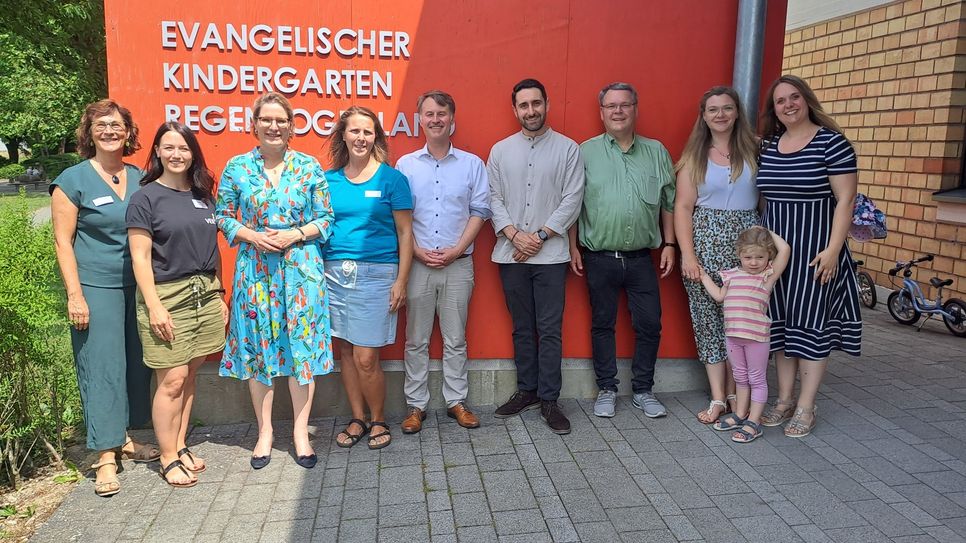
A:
35	201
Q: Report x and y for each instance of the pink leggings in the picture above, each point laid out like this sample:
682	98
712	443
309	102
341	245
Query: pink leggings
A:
749	364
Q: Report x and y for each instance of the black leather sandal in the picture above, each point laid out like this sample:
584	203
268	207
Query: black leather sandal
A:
372	444
353	438
177	464
196	469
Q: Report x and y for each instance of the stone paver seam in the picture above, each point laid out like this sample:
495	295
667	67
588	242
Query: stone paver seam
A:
530	437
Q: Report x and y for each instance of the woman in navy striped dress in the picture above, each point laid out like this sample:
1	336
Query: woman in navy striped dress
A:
808	180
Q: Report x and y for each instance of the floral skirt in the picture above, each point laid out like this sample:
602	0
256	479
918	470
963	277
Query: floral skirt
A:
715	232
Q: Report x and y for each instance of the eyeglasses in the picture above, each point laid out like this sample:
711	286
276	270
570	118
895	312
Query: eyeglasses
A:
626	106
723	109
114	127
267	122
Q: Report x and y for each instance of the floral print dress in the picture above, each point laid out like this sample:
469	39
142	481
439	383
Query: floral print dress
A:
279	304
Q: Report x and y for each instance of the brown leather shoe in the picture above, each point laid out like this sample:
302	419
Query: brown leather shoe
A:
554	417
464	417
413	421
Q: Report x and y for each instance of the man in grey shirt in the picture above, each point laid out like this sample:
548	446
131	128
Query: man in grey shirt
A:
536	185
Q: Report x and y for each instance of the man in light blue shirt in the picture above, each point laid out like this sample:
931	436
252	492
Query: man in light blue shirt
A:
450	204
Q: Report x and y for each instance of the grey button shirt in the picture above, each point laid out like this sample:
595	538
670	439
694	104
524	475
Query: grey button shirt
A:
535	182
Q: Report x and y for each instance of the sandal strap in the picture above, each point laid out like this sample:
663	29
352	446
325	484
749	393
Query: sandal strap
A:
355	437
100	465
174	464
381	424
748	436
185	451
756	426
731	419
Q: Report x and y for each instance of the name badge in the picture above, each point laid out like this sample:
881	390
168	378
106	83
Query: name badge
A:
373	194
199	204
103	200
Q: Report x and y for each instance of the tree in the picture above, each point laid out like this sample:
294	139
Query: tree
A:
52	61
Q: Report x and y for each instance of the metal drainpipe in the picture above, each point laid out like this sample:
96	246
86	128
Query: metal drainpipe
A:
749	48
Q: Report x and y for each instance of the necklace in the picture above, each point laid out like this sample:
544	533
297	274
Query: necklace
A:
104	173
726	155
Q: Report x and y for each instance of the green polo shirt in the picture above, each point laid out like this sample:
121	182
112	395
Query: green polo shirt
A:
624	194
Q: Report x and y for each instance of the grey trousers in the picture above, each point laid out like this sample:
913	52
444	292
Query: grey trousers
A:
445	292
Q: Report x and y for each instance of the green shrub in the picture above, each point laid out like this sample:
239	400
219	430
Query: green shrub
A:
54	164
39	401
11	170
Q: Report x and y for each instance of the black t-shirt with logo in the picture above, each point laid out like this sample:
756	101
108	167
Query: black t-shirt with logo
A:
182	227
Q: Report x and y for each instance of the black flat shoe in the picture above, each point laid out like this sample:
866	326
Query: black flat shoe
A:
259	462
307	461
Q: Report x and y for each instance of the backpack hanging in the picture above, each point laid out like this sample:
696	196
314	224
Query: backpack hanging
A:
868	222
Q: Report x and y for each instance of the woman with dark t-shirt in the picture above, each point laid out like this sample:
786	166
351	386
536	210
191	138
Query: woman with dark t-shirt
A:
180	309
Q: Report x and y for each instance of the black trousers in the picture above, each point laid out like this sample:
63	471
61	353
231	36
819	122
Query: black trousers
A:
535	298
606	276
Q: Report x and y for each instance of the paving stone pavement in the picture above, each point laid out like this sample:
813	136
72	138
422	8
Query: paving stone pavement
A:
887	462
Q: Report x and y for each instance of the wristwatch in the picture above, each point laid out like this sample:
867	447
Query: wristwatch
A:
543	235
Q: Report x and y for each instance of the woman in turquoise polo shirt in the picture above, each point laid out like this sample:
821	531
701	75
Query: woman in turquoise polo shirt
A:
88	204
366	263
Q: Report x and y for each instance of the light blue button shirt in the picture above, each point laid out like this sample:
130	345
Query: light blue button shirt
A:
446	193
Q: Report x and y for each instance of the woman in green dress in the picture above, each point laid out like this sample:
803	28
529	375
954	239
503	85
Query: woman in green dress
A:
88	203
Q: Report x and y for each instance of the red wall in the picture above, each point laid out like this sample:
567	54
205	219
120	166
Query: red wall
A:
672	51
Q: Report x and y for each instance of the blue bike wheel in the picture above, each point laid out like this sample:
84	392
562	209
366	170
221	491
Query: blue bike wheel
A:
902	309
957	322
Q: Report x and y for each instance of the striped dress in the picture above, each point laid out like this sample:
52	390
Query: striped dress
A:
809	319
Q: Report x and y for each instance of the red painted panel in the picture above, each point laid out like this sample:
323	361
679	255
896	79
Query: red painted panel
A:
672	51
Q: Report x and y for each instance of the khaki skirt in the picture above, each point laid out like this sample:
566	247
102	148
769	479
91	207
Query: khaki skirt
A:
199	329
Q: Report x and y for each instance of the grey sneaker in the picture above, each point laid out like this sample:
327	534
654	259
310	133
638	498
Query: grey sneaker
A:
604	406
652	408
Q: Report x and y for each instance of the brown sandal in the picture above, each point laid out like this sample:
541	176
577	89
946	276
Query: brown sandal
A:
776	416
106	488
143	452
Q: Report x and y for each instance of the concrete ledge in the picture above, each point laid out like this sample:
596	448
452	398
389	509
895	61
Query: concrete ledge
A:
222	400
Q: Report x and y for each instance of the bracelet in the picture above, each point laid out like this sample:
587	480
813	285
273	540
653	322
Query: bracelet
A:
671	245
514	236
299	228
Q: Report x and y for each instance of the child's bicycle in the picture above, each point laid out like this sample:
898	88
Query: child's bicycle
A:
907	304
866	286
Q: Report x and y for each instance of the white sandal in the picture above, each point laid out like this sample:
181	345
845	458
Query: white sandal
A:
711	406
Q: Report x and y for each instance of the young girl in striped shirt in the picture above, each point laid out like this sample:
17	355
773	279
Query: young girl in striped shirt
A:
744	294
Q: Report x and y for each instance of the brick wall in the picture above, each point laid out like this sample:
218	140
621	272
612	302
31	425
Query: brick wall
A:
894	78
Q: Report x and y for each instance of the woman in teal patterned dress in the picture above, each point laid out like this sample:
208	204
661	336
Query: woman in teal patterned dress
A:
273	203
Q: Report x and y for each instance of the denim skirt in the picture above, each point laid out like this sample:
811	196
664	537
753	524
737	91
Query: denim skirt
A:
359	301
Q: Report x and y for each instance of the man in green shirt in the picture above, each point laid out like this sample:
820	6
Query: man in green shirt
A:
628	200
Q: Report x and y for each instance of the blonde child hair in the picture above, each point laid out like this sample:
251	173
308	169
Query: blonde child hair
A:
756	236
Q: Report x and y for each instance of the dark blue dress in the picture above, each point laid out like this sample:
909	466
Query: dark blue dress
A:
809	319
